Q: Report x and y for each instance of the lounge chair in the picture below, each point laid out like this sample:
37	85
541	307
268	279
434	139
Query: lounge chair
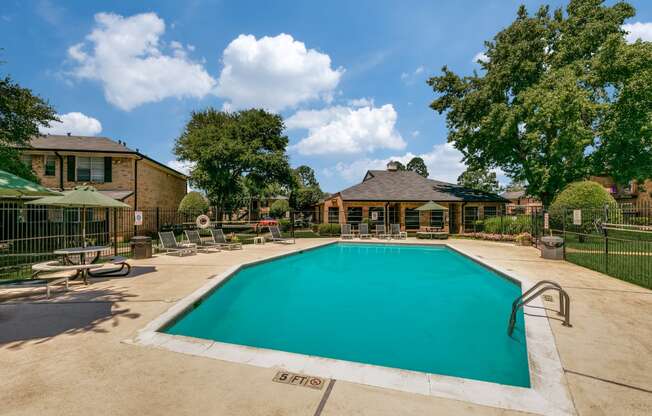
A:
170	245
397	233
277	237
117	266
346	232
220	239
205	246
380	231
364	231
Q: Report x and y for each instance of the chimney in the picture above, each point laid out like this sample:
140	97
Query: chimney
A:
392	166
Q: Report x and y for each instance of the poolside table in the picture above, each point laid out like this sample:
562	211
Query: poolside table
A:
82	252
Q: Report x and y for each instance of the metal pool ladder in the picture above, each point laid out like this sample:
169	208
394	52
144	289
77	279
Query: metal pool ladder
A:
534	292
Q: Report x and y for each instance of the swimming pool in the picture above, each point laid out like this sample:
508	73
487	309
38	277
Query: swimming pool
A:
421	308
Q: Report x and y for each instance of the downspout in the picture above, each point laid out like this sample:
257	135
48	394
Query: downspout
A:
60	170
136	182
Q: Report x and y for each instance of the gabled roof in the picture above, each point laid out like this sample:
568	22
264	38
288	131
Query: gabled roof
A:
78	143
382	185
65	143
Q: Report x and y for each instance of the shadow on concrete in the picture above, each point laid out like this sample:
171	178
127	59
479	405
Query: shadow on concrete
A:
136	271
73	312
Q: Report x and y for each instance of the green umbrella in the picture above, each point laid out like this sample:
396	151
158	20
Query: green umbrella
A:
14	186
432	206
81	197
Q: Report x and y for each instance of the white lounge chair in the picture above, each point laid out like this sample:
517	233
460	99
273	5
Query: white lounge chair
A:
220	239
205	246
277	237
346	232
397	233
170	245
364	231
380	231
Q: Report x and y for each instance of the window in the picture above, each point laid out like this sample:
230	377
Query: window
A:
354	215
377	216
50	166
470	217
411	219
489	212
394	214
90	169
437	219
333	215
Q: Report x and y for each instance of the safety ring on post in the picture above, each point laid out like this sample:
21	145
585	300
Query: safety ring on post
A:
203	221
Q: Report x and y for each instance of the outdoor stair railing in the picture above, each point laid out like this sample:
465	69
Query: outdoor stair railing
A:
534	292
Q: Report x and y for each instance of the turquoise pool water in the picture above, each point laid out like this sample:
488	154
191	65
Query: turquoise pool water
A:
417	308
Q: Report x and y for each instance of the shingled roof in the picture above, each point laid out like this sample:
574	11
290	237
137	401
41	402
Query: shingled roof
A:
78	143
394	186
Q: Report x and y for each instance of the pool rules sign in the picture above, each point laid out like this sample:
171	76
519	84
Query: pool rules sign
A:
138	217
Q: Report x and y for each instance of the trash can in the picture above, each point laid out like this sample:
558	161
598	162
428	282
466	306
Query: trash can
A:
552	248
141	247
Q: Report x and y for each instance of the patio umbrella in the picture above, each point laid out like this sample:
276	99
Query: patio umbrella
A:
81	197
15	186
432	206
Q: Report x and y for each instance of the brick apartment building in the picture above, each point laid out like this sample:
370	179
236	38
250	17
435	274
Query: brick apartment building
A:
63	162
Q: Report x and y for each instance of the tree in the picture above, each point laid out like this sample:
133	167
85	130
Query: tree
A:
305	191
279	208
399	166
585	195
418	165
556	100
514	186
227	149
479	179
21	115
193	203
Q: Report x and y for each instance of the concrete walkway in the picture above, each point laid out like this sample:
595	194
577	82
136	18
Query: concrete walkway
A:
66	356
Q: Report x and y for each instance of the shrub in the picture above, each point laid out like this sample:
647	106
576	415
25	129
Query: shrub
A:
516	224
193	203
329	229
279	208
284	225
586	195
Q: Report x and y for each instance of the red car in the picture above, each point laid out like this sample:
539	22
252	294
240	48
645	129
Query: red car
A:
266	222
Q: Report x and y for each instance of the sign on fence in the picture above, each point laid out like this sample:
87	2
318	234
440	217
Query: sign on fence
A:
546	221
577	217
138	217
374	216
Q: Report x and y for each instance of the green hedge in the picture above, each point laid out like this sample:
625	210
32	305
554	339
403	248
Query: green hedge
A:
329	229
508	225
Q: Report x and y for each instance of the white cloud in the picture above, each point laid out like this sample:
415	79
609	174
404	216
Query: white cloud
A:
480	56
345	130
415	133
275	73
410	77
127	57
74	123
444	163
638	30
362	102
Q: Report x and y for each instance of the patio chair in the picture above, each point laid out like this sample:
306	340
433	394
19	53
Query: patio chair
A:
277	237
397	233
118	266
364	231
380	231
220	239
170	245
346	232
204	246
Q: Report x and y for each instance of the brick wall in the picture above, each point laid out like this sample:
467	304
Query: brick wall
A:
158	187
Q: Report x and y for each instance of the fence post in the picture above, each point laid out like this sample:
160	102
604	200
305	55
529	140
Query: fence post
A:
115	231
606	251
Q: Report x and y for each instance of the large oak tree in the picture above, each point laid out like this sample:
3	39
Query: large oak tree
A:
231	151
561	96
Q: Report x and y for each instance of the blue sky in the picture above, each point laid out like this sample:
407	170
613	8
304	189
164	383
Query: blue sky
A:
348	77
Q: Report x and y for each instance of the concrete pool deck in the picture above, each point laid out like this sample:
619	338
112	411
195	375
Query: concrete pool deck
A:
67	355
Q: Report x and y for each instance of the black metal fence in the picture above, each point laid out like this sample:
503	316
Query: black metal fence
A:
614	240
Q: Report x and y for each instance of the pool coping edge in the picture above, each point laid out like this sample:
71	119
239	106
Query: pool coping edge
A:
548	394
